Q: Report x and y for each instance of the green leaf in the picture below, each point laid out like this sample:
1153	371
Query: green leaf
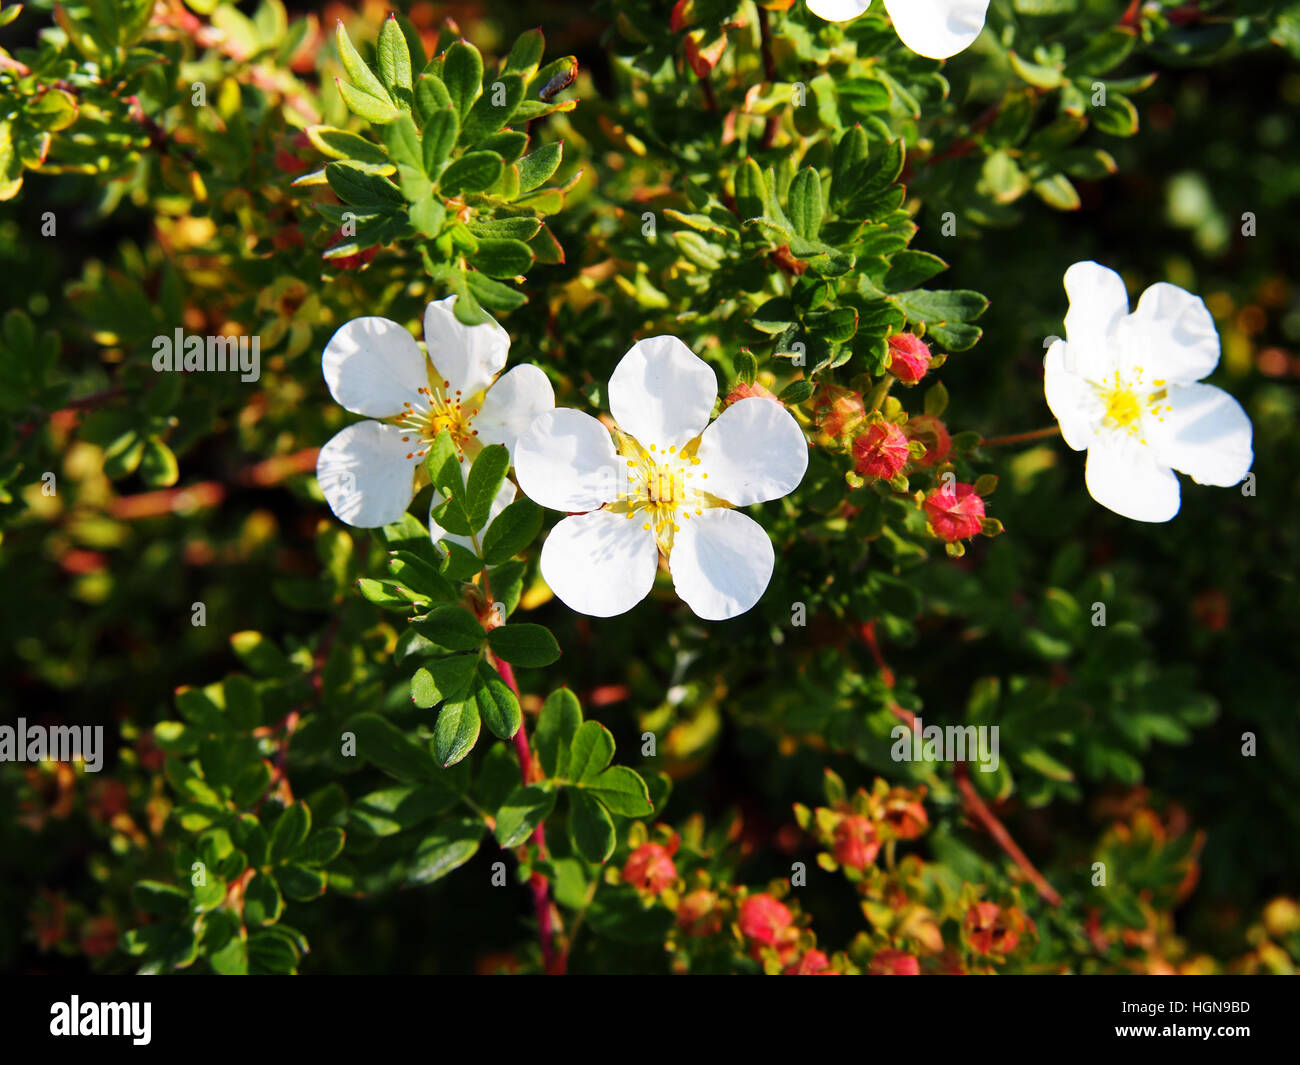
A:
263	903
521	813
445	678
359	74
511	531
750	190
452	627
271	953
175	737
524	645
431	95
322	847
440	132
484	481
806	203
472	172
590	827
394	60
300	883
537	167
1056	191
376	109
622	790
390	595
502	258
462	73
160	900
848	166
590	752
796	392
446	850
419	576
909	268
557	725
290	831
344	144
392	810
497	704
1119	117
383	744
511	228
526	53
456	731
493	110
493	294
931	306
361	189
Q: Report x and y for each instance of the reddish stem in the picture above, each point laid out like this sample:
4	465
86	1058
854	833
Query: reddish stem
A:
970	797
1021	438
999	832
553	961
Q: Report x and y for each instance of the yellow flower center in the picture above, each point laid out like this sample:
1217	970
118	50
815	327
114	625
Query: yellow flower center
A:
663	488
438	408
1124	402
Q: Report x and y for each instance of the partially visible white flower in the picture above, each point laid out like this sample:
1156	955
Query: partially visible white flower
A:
665	484
374	367
1125	387
935	29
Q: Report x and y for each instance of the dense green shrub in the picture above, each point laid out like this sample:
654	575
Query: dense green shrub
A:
330	747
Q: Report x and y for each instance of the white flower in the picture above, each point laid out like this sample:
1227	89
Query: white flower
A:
936	29
1124	386
667	486
374	367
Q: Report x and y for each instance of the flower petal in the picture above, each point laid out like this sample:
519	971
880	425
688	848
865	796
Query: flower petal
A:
1205	433
372	366
511	405
1072	399
566	460
1170	337
365	475
1129	479
721	562
755	451
937	29
600	563
466	356
504	497
662	393
838	10
1098	303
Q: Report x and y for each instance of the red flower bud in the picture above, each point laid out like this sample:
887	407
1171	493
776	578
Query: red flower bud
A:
909	357
856	845
838	411
955	511
763	919
813	963
697	914
744	391
895	963
991	930
931	432
881	451
650	867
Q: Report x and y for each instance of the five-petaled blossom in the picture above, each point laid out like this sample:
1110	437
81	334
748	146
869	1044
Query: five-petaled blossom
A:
665	484
374	367
935	29
1125	387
